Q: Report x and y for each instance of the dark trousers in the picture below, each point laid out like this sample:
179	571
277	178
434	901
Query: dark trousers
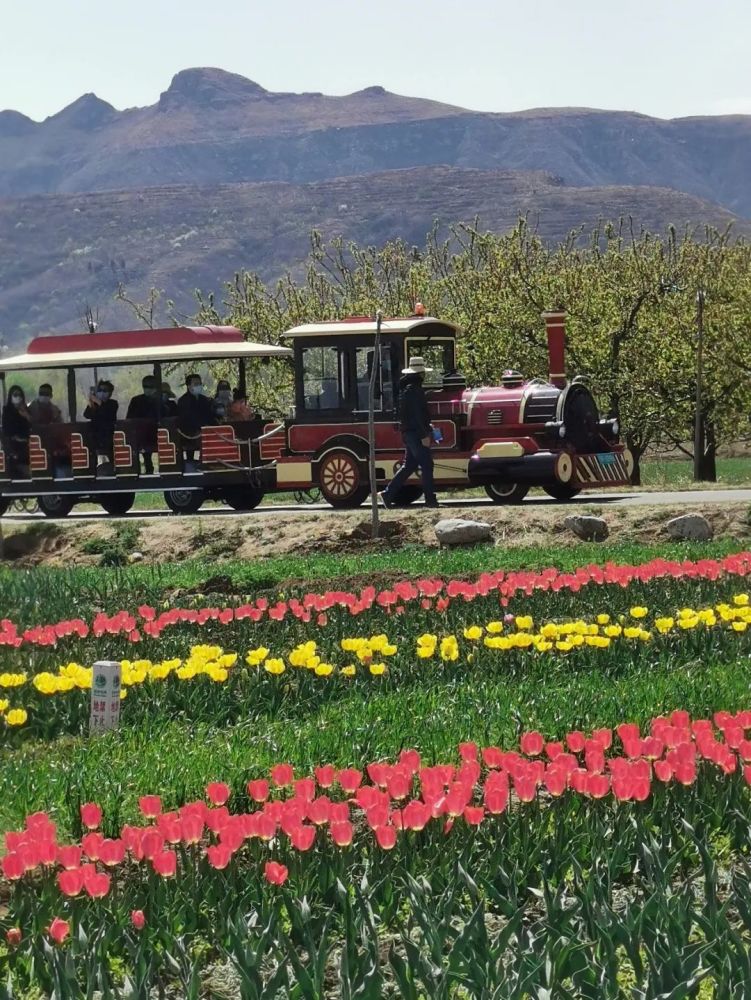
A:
416	455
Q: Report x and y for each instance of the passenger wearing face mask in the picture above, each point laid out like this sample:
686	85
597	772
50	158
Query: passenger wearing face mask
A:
147	406
42	410
194	411
222	401
102	412
16	430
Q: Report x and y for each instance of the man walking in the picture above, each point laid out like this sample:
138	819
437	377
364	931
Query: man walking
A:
417	435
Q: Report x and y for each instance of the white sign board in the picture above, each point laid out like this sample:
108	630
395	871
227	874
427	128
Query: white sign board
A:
105	696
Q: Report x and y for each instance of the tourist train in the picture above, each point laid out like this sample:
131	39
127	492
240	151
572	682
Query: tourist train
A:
507	438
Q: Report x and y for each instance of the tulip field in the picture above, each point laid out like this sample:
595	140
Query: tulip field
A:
503	783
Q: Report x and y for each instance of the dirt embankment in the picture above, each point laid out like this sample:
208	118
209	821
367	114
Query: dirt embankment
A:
220	537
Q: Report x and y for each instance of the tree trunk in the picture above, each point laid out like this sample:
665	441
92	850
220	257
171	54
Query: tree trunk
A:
708	453
636	451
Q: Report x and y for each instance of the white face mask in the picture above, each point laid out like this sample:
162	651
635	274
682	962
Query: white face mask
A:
196	390
102	395
44	398
16	399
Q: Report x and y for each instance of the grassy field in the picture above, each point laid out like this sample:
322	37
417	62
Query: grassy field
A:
46	594
536	902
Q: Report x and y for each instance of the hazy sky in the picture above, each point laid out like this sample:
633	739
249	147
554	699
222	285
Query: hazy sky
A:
663	57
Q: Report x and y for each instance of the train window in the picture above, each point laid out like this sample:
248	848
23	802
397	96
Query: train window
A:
437	354
322	372
384	390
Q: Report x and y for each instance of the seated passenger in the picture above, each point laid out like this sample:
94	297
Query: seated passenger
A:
16	429
194	411
222	400
169	406
102	412
42	410
147	406
239	410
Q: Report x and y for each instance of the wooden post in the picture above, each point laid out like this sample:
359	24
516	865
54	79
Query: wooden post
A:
375	371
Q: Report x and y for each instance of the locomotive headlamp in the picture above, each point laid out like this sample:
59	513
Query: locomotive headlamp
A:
562	431
616	427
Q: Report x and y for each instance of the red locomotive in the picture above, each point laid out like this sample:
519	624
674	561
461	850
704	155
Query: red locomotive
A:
507	438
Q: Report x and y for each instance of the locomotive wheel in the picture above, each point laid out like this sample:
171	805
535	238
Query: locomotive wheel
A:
117	504
502	493
561	491
243	497
184	501
55	504
341	480
406	496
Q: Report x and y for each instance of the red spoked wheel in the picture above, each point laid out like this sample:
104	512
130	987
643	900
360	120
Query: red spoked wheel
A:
341	479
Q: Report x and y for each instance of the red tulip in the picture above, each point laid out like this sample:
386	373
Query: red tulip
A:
319	810
305	789
138	919
70	881
342	833
282	774
13	936
217	793
415	815
531	743
96	884
325	775
191	829
474	815
91	815
258	790
69	856
165	863
349	779
575	741
13	866
663	770
302	837
386	837
150	806
275	873
91	844
219	855
59	930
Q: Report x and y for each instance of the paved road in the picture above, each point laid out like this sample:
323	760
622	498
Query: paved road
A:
684	498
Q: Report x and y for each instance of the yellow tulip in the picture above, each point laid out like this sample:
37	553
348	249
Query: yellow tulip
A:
17	717
377	669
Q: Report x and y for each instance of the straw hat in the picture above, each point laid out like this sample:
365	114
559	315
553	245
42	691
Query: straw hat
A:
416	367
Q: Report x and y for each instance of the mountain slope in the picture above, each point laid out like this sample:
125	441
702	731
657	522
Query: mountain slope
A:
58	251
212	127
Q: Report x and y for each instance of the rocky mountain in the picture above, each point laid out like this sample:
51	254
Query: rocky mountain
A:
213	127
58	251
221	174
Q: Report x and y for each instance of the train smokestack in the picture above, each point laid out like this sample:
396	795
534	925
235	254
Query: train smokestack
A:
555	324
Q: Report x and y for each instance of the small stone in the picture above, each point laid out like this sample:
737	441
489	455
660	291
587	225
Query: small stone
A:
459	531
690	527
587	527
135	557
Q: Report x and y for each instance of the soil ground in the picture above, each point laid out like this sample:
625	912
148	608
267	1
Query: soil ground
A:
82	543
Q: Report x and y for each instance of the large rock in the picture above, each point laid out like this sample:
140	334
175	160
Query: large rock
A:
690	527
587	527
459	531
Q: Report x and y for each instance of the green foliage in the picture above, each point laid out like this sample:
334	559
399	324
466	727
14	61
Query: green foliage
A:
630	297
115	549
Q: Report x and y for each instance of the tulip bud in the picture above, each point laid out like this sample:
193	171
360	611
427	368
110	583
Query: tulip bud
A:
13	936
138	919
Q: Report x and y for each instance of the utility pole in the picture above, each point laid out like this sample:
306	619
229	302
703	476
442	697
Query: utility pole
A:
698	422
375	371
